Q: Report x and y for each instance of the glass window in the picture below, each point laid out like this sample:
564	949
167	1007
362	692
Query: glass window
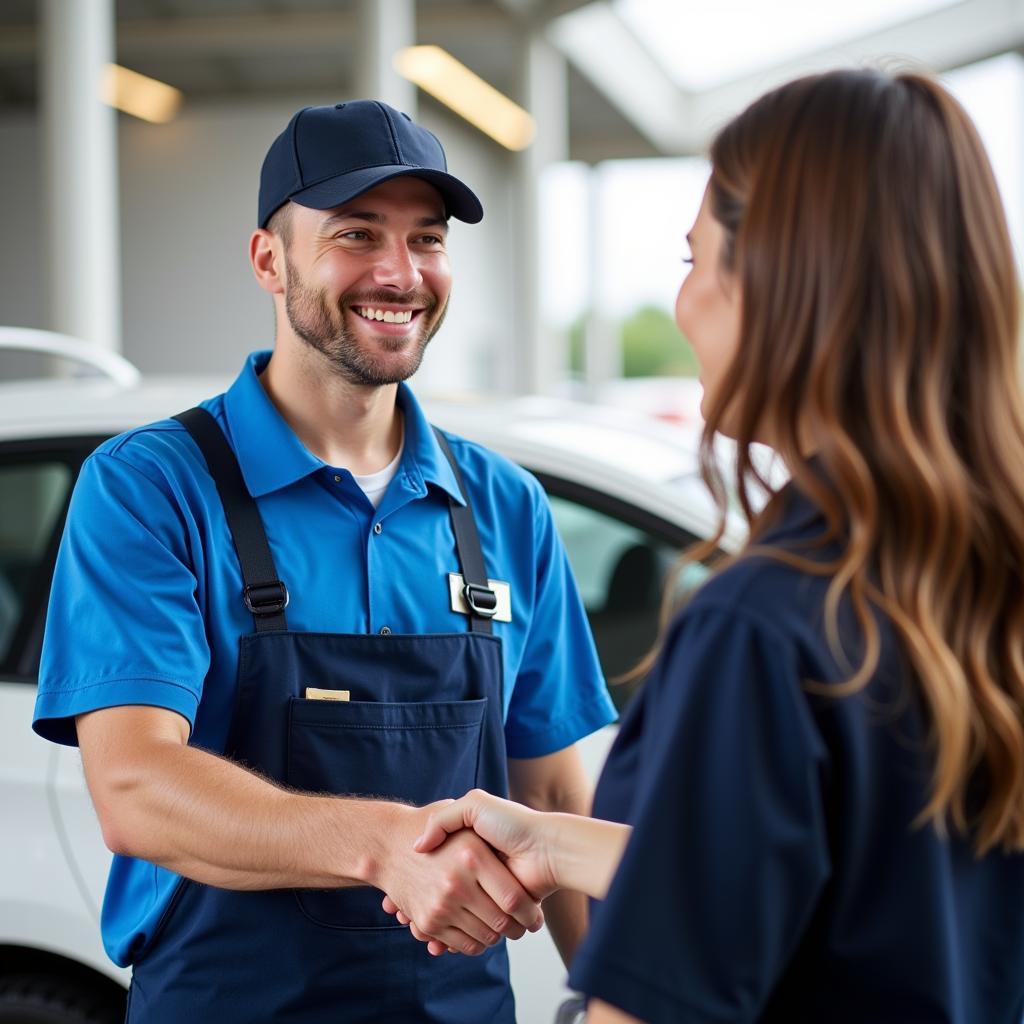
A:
32	499
622	571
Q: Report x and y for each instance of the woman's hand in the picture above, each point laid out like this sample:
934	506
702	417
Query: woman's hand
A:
544	852
519	836
461	895
522	837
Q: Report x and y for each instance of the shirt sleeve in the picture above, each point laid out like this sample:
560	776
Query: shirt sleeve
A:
123	625
560	694
729	853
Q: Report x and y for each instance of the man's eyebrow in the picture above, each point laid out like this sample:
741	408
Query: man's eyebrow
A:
378	218
367	215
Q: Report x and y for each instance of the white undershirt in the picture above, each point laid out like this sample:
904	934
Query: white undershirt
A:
373	485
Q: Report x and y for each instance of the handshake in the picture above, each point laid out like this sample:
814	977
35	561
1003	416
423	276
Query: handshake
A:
481	867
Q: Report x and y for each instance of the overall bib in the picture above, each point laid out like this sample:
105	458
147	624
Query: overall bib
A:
432	729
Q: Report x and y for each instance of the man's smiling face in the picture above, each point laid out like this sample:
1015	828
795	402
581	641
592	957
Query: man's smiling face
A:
368	282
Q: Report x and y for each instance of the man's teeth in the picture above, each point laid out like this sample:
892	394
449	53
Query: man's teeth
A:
387	315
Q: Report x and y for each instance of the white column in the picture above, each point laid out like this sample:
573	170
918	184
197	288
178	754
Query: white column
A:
602	349
541	353
385	26
80	162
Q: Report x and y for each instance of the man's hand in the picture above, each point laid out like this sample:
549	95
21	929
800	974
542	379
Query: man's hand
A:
545	851
460	896
519	834
516	832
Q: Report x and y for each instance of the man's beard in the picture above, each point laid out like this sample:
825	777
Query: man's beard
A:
311	319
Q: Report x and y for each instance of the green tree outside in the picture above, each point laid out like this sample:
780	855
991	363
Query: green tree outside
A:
651	346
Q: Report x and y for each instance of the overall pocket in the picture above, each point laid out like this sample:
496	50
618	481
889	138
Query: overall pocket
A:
415	752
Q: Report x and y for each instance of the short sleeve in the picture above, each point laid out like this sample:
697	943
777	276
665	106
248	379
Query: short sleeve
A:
123	625
560	694
729	854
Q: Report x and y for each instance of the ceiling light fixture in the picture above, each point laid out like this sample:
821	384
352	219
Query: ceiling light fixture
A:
138	95
437	72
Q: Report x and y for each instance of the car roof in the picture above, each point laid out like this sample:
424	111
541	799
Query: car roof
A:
625	455
606	437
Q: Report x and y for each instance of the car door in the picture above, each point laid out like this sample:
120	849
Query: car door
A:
46	901
624	558
621	555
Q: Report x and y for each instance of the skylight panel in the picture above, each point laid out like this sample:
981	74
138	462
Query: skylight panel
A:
702	45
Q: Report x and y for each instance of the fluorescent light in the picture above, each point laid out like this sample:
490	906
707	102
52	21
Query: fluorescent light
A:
138	95
437	72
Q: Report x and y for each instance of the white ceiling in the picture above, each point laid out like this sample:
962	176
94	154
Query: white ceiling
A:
646	78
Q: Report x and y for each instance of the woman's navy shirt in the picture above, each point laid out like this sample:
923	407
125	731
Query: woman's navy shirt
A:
774	873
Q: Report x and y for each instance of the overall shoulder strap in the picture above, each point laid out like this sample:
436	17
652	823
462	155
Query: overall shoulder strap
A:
482	601
263	593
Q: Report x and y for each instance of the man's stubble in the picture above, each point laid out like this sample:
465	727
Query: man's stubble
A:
312	319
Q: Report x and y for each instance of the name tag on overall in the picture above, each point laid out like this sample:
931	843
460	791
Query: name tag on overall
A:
502	591
315	693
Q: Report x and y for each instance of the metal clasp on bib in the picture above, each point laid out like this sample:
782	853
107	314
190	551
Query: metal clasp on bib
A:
482	600
266	598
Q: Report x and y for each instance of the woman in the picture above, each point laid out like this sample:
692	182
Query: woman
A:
824	775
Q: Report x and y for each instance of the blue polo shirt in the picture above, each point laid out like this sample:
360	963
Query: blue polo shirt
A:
146	608
774	873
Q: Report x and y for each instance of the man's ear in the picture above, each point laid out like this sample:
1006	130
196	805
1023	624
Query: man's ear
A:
266	254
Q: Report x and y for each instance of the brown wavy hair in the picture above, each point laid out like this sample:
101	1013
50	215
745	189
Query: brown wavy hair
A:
879	330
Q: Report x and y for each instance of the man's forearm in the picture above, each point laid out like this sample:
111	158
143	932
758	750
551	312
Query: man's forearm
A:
209	819
567	917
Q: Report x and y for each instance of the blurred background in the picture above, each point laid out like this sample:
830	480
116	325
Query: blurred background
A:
131	138
581	124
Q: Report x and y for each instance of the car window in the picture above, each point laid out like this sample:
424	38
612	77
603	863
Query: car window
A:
622	566
33	495
621	557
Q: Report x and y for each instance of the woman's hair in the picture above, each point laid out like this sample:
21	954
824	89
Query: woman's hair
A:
864	229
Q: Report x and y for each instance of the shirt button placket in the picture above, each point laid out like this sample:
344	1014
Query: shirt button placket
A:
378	529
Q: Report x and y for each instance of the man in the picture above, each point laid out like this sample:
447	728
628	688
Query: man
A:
283	623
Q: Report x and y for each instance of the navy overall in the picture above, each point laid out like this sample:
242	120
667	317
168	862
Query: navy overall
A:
432	729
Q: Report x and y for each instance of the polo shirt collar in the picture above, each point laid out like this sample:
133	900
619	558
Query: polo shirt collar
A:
268	451
271	456
423	460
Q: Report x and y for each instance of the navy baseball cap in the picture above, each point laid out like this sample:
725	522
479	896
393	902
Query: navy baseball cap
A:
329	155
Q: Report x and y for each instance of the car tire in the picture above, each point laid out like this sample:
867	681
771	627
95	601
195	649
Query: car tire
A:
44	999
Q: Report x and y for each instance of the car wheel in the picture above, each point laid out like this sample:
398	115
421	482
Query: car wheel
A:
43	999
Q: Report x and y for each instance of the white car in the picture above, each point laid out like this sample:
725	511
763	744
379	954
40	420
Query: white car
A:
626	498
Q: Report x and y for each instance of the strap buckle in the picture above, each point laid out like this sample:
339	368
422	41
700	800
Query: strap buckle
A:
266	598
482	600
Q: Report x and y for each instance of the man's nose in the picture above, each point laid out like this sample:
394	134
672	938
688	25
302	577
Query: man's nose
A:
396	267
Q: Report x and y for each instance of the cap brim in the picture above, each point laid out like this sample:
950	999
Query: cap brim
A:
459	200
